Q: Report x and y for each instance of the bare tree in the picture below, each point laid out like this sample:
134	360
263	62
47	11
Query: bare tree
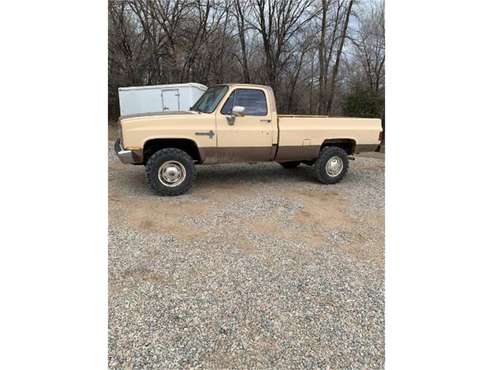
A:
335	70
299	47
240	11
278	21
331	14
369	40
303	47
322	56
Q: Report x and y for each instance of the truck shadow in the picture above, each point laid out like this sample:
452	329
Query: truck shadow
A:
252	173
222	178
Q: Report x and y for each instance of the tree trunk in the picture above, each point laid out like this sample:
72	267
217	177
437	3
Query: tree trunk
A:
338	59
322	54
240	21
294	80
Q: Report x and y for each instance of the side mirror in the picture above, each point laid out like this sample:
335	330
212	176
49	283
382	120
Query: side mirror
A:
238	111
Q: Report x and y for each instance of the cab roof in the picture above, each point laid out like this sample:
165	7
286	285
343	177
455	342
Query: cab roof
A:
243	85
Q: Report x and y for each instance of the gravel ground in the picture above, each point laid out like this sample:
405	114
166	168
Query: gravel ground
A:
256	267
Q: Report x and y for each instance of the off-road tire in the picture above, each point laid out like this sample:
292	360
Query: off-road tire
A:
326	154
158	159
289	165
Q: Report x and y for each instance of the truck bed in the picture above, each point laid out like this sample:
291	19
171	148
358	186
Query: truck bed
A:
312	130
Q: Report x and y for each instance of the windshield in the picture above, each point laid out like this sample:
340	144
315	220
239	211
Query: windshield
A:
211	98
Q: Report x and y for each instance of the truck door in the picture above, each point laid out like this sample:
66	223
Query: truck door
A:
248	137
170	99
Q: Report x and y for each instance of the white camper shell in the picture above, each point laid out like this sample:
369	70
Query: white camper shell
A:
159	98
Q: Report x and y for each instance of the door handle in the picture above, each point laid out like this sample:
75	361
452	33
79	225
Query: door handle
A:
207	133
265	120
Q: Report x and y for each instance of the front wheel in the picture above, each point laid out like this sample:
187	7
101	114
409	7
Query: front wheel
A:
170	171
332	165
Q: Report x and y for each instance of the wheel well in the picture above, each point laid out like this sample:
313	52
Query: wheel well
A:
188	146
349	145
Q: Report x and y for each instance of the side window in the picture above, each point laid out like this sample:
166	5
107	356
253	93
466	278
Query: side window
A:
228	106
254	101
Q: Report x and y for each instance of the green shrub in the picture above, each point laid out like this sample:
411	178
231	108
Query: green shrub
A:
360	102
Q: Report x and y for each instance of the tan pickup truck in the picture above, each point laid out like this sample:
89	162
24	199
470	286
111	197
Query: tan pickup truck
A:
239	123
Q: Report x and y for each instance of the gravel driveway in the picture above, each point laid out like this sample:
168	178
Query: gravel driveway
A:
256	267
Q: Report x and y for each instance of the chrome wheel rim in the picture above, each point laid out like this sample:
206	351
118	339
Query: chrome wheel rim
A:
172	173
334	166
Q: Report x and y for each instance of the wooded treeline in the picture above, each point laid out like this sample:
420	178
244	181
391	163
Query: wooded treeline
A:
320	56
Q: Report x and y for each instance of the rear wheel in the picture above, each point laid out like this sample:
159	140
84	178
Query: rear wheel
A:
170	171
332	165
293	164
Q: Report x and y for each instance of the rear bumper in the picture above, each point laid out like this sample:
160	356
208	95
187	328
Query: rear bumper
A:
127	156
